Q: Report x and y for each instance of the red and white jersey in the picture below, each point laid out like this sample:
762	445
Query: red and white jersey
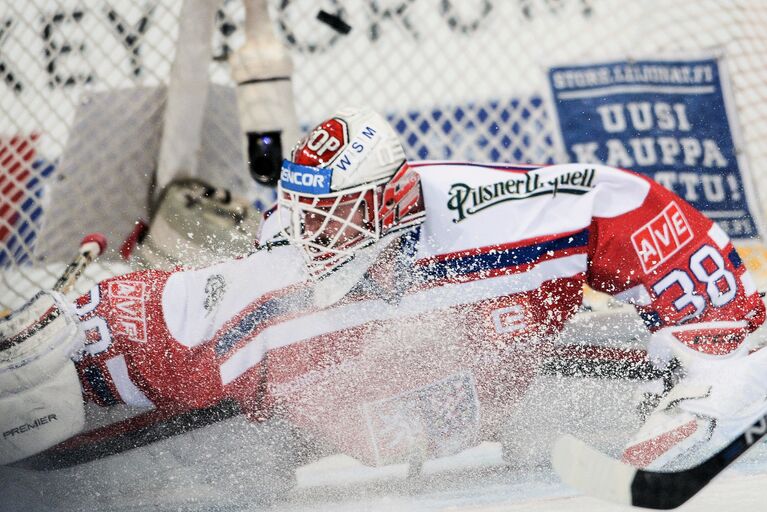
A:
477	291
621	232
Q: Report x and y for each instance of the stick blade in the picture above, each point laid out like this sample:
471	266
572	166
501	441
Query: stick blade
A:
592	472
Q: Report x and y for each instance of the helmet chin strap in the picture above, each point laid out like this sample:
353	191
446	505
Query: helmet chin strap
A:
333	287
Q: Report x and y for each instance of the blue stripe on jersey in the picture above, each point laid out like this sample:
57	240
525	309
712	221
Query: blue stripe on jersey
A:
651	319
507	258
248	324
98	383
409	241
734	258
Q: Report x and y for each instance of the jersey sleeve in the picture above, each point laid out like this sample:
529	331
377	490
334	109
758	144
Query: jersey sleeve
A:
181	340
679	269
130	354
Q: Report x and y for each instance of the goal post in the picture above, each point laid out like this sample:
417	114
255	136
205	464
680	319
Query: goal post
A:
85	87
188	87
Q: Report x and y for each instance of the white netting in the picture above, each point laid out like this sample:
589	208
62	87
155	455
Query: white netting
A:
83	90
54	55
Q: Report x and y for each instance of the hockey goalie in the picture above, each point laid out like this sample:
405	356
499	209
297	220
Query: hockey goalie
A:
396	311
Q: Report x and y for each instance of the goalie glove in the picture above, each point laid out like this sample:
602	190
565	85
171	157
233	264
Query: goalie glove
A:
715	398
197	225
41	401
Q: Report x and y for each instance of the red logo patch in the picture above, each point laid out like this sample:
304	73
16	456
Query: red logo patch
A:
130	308
662	237
323	144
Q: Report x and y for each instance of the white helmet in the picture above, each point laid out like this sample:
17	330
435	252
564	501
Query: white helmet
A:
346	185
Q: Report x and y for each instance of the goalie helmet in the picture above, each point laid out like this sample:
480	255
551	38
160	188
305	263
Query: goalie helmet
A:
346	185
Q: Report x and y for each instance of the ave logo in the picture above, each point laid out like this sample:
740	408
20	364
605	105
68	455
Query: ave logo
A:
322	145
129	304
662	237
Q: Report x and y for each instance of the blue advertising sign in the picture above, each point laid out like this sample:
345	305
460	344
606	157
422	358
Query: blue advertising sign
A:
666	119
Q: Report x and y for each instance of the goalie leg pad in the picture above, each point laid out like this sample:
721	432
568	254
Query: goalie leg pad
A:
40	417
41	400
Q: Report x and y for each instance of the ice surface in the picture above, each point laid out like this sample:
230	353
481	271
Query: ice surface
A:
475	480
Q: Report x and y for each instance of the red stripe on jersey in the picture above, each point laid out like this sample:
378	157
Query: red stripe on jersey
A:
518	168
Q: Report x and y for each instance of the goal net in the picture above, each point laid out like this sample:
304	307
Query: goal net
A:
86	87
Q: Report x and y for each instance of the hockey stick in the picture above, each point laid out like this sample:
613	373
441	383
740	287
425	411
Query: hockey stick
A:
91	247
592	472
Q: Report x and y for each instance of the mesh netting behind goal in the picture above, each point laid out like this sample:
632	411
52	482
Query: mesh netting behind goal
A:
85	88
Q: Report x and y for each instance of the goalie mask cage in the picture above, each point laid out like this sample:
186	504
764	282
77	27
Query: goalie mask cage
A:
88	94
